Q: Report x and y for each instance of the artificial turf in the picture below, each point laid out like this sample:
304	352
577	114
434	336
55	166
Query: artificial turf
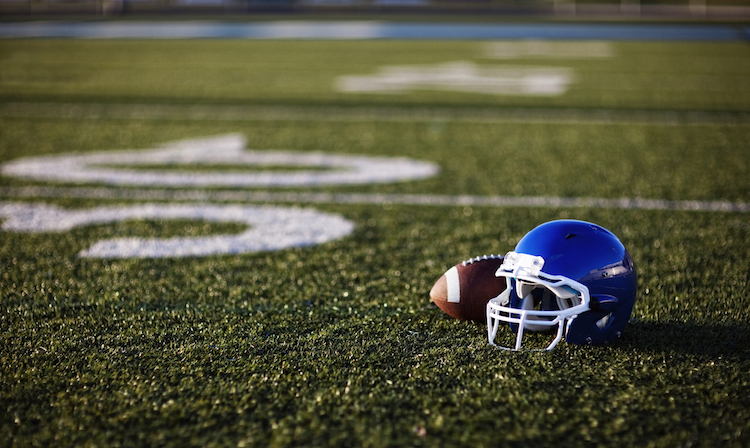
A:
704	76
338	344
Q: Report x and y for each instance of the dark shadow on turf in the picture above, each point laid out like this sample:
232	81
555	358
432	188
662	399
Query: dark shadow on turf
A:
702	340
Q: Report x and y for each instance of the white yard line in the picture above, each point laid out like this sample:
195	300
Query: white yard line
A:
369	198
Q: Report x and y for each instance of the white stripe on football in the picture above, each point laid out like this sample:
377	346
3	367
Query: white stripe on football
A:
464	290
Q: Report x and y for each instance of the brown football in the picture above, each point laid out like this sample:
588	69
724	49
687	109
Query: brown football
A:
464	290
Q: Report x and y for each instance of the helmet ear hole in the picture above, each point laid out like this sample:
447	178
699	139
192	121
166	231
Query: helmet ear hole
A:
604	321
595	327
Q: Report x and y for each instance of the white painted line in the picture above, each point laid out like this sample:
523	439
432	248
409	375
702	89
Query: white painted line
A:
292	29
461	76
372	198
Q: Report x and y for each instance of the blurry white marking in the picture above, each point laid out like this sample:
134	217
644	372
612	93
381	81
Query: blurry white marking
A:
546	49
269	228
227	150
307	30
454	285
461	77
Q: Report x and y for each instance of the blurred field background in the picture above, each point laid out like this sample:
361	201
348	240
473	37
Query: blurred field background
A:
414	9
337	344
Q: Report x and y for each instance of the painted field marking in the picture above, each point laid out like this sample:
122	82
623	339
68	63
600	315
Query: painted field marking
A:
461	76
155	194
131	167
272	228
269	228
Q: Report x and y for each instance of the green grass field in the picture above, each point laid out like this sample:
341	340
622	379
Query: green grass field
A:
337	344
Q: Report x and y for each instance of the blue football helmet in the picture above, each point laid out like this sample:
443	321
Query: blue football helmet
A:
569	277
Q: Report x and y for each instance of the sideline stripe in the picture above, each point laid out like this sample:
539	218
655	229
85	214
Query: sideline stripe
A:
364	114
336	30
374	199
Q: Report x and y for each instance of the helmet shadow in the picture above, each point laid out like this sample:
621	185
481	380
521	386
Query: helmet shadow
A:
697	339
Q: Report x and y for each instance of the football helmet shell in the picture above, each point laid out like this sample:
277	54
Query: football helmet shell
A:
572	277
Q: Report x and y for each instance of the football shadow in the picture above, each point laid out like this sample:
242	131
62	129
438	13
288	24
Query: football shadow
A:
701	340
